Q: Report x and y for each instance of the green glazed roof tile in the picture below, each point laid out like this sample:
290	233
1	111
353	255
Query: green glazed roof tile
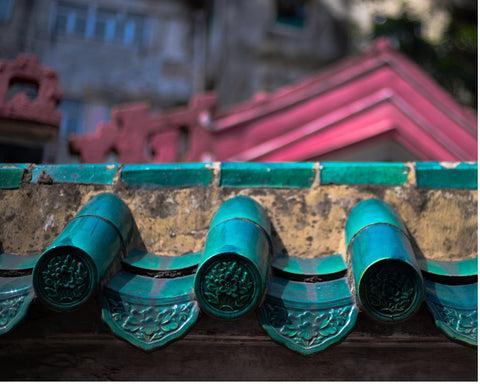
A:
167	175
447	175
75	173
149	312
309	270
455	270
16	294
272	175
11	175
149	264
363	173
10	262
308	317
455	309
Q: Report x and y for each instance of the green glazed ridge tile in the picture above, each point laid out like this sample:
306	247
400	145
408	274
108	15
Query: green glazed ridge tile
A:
75	173
363	173
272	175
172	175
447	175
11	175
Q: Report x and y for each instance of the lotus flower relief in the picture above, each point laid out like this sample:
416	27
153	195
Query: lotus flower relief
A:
228	286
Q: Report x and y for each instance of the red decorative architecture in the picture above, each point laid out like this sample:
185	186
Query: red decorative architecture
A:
376	96
26	69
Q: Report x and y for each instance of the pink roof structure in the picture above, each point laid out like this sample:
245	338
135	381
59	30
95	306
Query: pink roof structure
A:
378	94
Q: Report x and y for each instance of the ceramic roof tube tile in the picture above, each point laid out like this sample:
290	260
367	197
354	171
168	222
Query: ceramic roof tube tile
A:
11	175
167	175
270	175
311	306
73	266
149	312
232	275
447	175
388	281
363	173
75	173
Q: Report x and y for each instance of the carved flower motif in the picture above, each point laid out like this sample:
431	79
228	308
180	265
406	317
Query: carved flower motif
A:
390	292
465	322
228	286
149	323
65	278
9	309
307	328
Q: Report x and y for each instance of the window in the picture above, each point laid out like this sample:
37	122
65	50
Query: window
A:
73	112
71	19
108	25
291	12
5	10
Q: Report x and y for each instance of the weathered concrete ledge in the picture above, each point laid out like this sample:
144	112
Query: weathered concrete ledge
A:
308	203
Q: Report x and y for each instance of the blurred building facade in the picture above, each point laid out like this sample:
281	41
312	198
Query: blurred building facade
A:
109	52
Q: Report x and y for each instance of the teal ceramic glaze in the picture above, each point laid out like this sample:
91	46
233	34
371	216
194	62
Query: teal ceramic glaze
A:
388	282
455	310
231	278
149	312
308	317
16	294
68	272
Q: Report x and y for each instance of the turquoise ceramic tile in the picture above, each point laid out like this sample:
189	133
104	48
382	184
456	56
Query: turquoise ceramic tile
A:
10	262
75	173
363	173
455	310
149	264
16	294
167	175
447	175
315	269
11	175
273	175
308	317
149	312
